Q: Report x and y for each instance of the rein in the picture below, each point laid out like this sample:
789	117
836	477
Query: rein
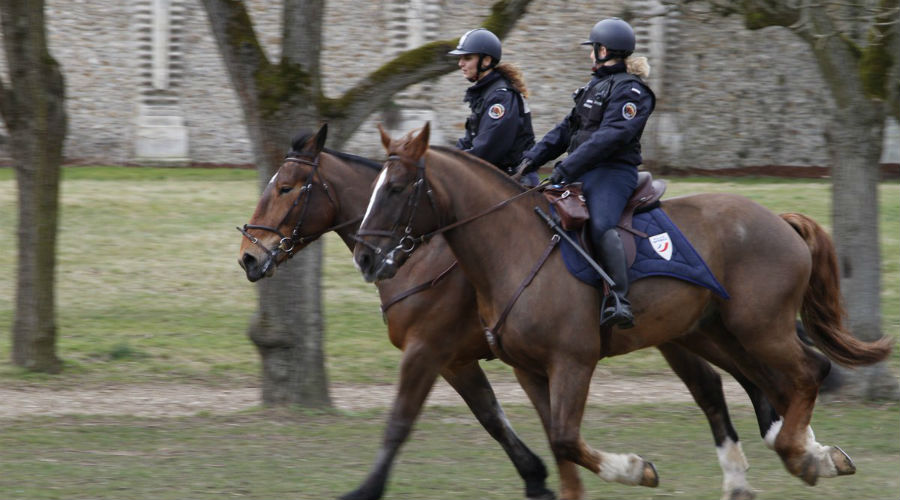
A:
407	243
288	244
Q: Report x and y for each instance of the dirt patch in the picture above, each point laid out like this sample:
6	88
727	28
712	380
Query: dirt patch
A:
173	400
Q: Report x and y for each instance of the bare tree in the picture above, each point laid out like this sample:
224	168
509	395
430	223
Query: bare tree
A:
856	45
276	98
32	106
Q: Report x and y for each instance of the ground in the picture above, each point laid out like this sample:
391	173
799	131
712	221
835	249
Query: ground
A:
171	400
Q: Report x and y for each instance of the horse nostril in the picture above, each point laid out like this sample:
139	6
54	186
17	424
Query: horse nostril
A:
247	261
363	262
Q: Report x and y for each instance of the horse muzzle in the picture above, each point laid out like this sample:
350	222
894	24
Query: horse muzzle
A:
375	267
255	268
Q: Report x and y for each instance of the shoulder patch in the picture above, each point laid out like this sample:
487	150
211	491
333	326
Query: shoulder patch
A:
636	91
496	111
629	110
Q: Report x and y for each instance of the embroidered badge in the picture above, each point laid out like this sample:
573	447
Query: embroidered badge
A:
496	111
629	110
662	244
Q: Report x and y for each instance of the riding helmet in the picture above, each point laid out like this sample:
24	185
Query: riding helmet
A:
614	34
479	41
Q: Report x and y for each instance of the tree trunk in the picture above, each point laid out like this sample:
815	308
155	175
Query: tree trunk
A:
34	111
855	150
287	328
854	138
852	70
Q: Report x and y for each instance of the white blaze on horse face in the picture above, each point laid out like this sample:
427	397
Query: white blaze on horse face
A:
382	177
274	176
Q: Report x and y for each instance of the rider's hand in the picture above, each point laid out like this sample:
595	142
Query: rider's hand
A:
557	176
521	169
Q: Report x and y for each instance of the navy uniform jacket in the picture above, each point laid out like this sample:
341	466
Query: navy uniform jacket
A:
600	136
499	128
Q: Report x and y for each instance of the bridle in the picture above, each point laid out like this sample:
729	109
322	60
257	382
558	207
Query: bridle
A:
404	240
402	233
288	244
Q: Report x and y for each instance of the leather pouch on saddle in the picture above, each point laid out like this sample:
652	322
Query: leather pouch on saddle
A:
569	204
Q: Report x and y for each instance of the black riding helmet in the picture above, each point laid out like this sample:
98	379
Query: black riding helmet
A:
614	34
482	42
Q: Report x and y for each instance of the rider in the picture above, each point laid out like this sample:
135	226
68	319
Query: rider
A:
499	128
602	135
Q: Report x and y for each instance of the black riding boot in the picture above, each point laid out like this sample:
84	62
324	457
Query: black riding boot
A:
615	308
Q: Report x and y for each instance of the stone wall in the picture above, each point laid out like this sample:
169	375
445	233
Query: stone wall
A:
728	97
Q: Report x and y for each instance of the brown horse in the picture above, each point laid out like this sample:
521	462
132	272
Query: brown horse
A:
431	316
771	266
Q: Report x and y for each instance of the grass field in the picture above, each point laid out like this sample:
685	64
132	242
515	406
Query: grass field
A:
149	292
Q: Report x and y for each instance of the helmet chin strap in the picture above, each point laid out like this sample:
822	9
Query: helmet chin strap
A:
479	69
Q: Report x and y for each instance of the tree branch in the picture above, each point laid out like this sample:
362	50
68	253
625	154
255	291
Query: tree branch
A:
238	45
302	30
413	66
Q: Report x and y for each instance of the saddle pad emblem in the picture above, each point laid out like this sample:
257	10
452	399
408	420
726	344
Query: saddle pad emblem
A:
662	245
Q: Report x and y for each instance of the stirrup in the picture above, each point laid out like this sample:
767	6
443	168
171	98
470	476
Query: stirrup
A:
618	313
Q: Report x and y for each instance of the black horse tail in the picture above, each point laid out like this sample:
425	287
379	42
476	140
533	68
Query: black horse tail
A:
823	311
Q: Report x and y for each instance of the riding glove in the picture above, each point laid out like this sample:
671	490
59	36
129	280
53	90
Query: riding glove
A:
557	176
524	167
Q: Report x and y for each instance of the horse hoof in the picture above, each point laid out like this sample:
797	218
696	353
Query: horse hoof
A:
809	471
842	462
739	494
360	494
649	477
543	495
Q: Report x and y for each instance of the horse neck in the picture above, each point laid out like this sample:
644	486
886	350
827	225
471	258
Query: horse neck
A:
350	183
497	241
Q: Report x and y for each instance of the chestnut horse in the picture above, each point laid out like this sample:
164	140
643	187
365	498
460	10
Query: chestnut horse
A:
773	267
431	314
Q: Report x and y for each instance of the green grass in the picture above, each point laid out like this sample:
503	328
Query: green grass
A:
315	455
149	291
148	287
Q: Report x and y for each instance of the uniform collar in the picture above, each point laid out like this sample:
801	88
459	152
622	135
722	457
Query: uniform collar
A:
604	71
482	84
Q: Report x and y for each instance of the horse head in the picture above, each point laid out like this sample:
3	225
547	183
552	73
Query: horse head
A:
295	208
395	222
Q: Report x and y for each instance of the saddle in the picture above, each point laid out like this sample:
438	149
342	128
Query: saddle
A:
645	197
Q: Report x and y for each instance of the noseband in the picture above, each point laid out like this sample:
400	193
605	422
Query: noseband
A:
288	244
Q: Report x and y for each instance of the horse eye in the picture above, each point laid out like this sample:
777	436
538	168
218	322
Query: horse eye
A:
396	188
286	189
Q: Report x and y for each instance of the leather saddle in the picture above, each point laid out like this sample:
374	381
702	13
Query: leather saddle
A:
645	197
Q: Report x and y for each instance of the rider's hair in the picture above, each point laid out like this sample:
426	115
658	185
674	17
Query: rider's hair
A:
638	66
512	73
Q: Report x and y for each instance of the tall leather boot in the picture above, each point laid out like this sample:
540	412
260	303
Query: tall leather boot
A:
615	309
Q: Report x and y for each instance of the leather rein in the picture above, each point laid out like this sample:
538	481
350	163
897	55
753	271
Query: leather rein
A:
406	242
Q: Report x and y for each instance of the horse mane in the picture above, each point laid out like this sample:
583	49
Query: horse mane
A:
463	156
302	137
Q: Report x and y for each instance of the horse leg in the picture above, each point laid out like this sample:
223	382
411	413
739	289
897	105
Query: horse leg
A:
569	383
537	389
418	372
470	382
705	386
773	358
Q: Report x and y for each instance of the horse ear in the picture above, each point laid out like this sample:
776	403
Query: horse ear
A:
320	137
420	143
385	138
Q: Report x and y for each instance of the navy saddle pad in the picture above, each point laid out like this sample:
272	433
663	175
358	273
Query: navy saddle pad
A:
666	252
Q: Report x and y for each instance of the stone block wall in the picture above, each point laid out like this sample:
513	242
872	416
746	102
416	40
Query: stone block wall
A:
728	97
